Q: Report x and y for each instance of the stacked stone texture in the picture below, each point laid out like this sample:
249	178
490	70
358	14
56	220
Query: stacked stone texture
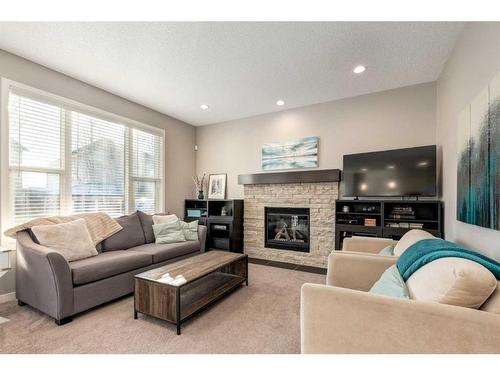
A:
318	197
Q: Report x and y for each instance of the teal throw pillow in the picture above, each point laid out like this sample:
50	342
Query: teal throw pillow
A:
169	232
391	284
388	251
190	230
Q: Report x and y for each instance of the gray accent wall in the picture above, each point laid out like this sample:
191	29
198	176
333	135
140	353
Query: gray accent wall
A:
474	61
398	118
179	136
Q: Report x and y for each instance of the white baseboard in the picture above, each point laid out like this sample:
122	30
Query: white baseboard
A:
8	297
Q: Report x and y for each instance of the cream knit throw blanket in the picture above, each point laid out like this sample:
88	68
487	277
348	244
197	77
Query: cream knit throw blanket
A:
99	224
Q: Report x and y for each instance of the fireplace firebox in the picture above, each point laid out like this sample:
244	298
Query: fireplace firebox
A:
287	228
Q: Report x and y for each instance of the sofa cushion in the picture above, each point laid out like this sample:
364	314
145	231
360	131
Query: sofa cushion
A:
108	264
164	219
190	230
169	232
452	281
72	240
131	235
410	238
390	284
492	304
147	225
387	251
165	251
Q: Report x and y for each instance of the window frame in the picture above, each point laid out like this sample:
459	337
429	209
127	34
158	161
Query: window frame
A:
65	171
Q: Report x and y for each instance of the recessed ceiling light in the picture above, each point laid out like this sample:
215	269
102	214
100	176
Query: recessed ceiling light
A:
204	106
359	69
280	102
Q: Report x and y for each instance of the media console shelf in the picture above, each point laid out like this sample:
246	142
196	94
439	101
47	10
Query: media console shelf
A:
223	219
386	218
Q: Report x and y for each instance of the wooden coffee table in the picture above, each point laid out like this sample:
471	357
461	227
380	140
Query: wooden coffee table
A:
175	292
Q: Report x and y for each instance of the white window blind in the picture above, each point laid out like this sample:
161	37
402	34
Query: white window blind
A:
36	157
65	160
98	165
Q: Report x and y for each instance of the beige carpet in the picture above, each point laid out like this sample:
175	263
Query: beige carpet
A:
260	318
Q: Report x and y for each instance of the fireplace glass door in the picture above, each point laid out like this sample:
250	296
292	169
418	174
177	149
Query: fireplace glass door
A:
287	228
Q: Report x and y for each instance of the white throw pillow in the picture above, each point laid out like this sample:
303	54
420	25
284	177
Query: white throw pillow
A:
164	219
72	240
410	238
452	281
492	304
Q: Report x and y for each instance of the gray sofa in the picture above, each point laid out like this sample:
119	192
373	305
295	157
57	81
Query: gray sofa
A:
61	289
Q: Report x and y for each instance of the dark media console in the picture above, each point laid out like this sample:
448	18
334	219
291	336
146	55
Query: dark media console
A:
386	218
224	221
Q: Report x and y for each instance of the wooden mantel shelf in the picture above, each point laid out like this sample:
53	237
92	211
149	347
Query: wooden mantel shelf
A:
321	175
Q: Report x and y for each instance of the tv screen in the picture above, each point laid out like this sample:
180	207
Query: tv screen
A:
402	172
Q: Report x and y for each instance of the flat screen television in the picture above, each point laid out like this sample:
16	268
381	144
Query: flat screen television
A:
403	172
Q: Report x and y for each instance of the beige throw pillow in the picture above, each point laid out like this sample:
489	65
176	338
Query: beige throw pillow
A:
72	240
452	281
492	304
164	219
410	238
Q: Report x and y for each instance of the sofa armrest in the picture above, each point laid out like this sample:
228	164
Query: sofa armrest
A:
357	271
43	278
202	235
366	244
338	320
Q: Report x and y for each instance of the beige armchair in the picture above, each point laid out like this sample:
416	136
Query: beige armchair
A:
341	317
368	245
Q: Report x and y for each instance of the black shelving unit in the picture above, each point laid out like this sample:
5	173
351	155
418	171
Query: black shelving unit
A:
349	221
195	209
225	232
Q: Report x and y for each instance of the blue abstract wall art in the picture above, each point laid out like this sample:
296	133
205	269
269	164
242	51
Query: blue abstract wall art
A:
302	153
478	178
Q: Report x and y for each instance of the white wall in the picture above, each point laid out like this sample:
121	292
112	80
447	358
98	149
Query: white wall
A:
396	118
472	64
179	136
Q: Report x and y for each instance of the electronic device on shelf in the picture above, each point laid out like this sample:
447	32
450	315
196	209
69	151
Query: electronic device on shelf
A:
386	218
403	172
347	221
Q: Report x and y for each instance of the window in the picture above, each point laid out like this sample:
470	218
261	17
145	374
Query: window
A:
65	159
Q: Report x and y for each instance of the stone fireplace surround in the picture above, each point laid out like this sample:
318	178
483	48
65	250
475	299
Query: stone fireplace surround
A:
319	197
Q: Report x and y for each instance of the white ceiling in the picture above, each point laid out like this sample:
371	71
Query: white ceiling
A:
238	69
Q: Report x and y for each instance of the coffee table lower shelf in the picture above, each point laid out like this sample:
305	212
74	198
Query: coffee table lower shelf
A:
176	304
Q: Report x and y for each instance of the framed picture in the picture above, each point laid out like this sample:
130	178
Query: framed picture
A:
217	186
302	153
478	170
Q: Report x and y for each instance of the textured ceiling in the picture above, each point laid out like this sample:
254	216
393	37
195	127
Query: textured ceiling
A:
238	69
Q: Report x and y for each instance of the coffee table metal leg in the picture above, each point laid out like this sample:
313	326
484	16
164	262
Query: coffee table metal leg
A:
135	314
178	307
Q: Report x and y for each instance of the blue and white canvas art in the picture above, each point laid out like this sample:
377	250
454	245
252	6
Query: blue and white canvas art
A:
302	153
478	178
